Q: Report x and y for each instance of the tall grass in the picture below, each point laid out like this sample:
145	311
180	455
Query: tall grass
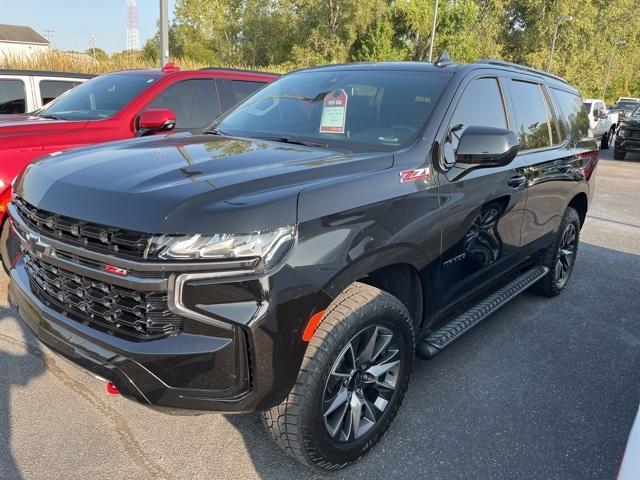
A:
70	62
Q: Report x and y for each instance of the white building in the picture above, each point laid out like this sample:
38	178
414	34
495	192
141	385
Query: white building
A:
21	41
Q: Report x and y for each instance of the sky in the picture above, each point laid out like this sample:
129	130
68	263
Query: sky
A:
74	21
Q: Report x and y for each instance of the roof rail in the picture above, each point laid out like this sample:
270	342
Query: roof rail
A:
502	63
241	70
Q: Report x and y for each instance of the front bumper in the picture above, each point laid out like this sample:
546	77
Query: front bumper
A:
141	370
251	371
627	144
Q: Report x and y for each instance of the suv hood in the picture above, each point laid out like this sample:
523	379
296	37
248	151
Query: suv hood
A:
34	131
186	183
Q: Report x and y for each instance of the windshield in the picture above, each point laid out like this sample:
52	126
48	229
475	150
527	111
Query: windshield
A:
98	98
625	105
636	113
351	110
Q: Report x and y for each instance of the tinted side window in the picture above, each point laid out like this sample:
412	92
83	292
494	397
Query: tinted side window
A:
481	105
50	89
532	122
194	102
12	96
575	119
233	92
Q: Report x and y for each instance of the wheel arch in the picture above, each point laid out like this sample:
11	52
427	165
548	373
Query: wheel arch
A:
399	270
580	204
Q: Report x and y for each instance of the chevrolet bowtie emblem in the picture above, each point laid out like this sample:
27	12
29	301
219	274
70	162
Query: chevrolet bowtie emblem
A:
37	246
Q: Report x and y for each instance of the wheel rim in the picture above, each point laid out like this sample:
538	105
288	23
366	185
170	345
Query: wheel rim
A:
566	254
360	385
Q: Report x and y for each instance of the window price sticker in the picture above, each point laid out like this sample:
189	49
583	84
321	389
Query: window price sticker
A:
334	112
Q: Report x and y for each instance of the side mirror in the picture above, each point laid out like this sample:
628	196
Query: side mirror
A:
487	146
155	120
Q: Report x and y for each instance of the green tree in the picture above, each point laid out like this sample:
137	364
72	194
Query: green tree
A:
378	42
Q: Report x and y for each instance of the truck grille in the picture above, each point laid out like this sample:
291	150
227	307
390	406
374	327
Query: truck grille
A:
632	133
100	238
118	310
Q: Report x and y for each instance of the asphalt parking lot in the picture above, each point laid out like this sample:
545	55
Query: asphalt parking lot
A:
546	388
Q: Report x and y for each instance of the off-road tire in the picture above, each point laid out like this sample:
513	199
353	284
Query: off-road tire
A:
548	286
618	154
296	424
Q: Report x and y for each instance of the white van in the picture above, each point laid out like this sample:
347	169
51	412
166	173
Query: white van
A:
24	91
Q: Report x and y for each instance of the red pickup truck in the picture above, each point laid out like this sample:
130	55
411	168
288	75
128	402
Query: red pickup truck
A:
118	106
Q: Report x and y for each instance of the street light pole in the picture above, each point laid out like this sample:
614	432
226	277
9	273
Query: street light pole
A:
433	31
164	33
559	20
606	78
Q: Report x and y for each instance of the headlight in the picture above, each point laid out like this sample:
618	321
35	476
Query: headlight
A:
270	246
622	133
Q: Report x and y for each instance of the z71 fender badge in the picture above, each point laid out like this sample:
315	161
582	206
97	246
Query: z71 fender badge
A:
415	174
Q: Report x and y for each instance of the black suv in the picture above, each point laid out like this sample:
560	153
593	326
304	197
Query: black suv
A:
293	259
627	137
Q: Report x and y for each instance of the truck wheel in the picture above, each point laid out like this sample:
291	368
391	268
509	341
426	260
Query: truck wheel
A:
618	154
560	256
606	140
351	383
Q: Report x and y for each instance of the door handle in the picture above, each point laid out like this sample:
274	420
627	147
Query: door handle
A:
517	181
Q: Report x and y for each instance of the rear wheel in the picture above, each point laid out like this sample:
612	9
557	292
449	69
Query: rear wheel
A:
351	383
560	257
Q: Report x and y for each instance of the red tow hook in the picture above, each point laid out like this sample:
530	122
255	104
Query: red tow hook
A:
112	389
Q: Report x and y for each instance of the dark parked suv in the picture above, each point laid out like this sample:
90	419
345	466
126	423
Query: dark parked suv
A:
628	136
294	259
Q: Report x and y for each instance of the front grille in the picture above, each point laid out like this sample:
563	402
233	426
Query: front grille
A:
100	238
117	310
631	133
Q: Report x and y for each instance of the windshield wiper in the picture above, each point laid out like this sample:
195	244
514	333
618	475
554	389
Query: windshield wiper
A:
292	141
52	117
216	131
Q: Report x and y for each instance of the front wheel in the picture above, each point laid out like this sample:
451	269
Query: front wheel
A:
351	383
607	140
560	256
618	154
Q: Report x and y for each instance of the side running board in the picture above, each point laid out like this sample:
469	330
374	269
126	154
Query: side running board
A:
437	341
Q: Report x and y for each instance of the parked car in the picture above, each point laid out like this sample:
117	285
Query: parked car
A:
628	136
25	91
118	106
293	258
628	99
624	108
601	121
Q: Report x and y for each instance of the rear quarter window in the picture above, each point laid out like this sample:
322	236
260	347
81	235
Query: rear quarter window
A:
575	121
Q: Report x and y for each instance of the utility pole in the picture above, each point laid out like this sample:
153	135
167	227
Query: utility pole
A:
49	36
563	18
164	33
606	78
433	31
92	46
